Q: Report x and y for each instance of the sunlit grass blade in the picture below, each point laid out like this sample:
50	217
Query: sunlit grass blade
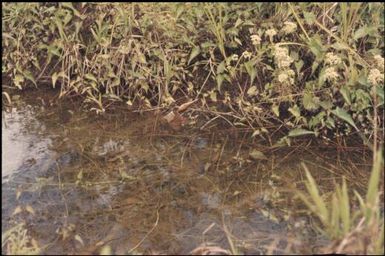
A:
317	199
345	207
372	194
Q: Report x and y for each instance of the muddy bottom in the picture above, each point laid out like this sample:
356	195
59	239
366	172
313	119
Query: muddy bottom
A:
81	182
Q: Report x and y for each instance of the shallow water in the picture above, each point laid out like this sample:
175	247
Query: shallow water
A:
126	181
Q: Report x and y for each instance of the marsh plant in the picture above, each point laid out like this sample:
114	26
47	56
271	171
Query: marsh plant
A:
353	231
17	241
303	69
309	68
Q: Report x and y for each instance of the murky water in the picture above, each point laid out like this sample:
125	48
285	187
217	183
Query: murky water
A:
82	182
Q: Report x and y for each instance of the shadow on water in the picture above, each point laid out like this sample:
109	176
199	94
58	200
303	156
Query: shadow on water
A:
81	182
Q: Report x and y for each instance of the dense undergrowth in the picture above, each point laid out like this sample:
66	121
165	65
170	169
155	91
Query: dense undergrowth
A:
309	68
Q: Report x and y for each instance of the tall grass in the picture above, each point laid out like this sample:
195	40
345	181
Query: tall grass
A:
362	230
17	241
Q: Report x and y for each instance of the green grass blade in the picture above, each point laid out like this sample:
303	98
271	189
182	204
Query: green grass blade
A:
345	208
372	194
317	199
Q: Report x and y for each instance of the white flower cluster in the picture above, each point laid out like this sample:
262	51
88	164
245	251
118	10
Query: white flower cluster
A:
380	62
282	57
234	57
286	76
283	61
375	76
246	54
331	74
289	27
255	39
332	59
271	32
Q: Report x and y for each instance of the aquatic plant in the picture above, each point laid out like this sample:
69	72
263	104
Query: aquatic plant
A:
352	231
17	241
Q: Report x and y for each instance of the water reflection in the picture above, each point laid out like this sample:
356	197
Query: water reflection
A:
104	180
21	144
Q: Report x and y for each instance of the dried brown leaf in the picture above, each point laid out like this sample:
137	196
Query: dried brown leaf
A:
186	105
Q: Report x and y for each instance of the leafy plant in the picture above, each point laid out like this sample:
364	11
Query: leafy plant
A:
309	66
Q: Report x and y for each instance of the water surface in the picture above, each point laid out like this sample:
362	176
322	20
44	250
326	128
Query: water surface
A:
127	181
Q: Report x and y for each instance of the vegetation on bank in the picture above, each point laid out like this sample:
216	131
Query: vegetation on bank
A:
308	68
302	68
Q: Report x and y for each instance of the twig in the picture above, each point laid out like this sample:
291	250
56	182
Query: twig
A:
233	249
148	233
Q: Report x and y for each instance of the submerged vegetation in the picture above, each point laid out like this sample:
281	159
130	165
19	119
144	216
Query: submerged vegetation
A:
278	71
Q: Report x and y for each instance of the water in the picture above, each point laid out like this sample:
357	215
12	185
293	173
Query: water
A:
20	140
123	181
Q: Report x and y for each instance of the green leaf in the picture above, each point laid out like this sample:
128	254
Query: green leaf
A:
341	113
220	79
314	66
295	111
238	22
309	17
80	175
255	133
257	155
326	104
207	45
330	122
30	77
380	94
221	67
54	77
299	132
213	96
275	109
316	120
252	91
298	65
237	40
312	188
195	51
18	80
364	31
91	77
309	102
345	93
340	46
249	66
372	194
316	46
345	207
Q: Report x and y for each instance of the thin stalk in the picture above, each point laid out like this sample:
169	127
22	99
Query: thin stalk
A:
299	22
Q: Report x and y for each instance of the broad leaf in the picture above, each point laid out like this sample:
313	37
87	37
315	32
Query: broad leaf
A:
345	93
257	155
295	111
310	102
249	66
195	51
252	91
275	109
299	132
341	113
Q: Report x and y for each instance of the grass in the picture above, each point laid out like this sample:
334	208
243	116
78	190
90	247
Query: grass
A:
360	231
16	241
